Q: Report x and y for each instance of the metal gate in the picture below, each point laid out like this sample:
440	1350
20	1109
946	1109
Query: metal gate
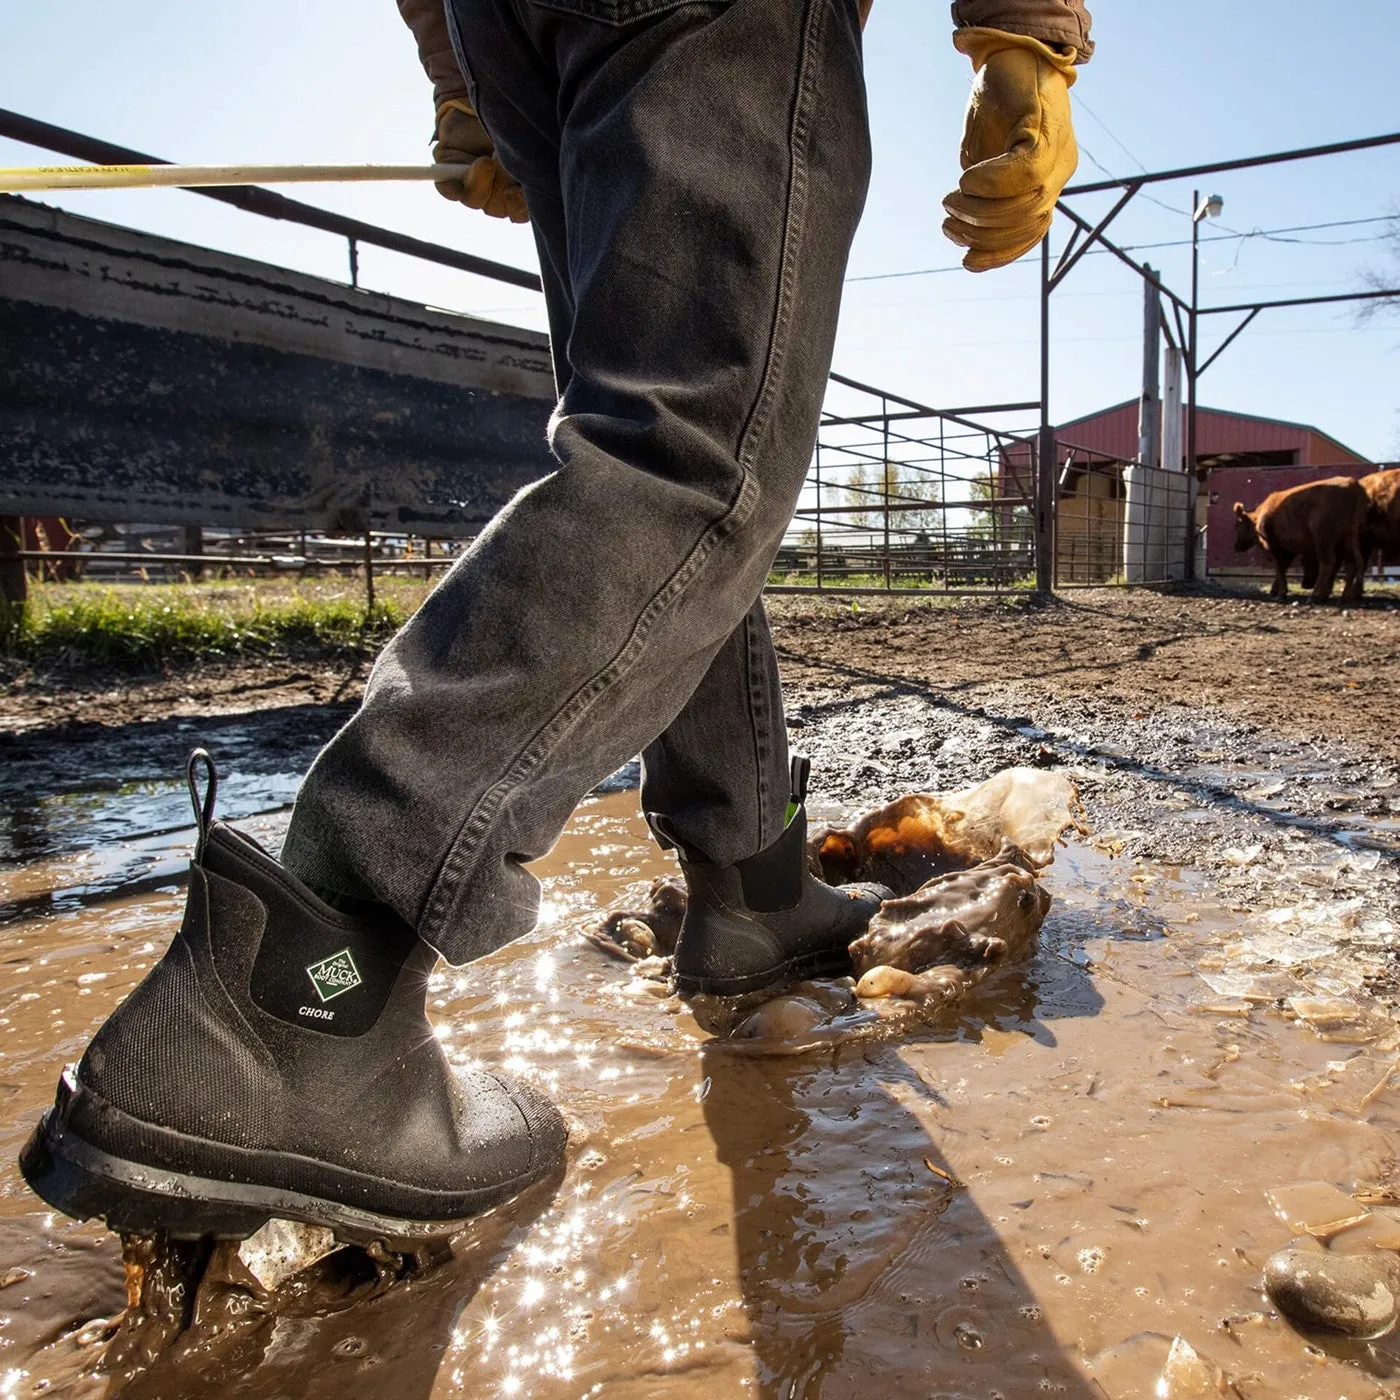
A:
905	497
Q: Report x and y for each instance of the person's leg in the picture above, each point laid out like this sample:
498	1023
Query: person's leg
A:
736	711
712	162
277	1061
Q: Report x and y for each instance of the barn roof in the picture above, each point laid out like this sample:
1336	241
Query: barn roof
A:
1114	431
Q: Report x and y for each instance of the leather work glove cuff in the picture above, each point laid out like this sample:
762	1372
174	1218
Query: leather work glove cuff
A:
468	135
980	44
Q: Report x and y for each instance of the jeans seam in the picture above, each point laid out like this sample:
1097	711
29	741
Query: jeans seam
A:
794	230
463	851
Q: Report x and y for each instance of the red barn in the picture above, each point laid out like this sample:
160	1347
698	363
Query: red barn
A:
1244	458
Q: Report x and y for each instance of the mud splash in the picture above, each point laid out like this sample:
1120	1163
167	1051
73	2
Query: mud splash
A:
1061	1190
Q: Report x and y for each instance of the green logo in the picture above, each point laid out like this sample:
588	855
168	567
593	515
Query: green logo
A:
334	975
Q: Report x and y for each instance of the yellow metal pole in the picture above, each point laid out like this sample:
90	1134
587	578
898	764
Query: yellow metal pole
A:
29	179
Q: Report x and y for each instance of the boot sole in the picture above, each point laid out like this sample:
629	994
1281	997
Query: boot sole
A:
86	1182
831	963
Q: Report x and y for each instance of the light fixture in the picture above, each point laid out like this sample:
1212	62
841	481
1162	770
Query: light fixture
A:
1211	207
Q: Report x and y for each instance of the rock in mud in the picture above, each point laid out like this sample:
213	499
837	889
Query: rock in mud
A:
1357	1295
645	933
989	840
1315	1208
186	1297
789	1018
1380	1230
783	1018
1342	1020
936	984
1188	1375
282	1249
1124	1371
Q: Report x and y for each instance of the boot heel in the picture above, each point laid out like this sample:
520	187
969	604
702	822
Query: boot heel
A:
80	1189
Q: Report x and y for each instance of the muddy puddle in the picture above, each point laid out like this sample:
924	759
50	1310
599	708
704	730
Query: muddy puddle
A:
1034	1196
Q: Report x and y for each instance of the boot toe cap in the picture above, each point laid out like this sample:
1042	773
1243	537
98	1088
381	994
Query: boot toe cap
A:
548	1133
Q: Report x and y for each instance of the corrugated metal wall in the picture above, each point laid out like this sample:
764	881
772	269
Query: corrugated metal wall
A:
1114	433
1250	485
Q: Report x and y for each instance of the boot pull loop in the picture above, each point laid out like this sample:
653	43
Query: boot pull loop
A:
203	807
801	772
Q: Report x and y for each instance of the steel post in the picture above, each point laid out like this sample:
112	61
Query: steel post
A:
1045	444
1191	466
14	578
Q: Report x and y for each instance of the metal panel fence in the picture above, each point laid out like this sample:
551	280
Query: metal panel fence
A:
901	496
1119	522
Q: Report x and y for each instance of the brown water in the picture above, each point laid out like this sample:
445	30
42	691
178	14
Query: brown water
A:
1031	1199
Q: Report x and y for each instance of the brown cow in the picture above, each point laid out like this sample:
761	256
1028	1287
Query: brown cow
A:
1383	518
1324	520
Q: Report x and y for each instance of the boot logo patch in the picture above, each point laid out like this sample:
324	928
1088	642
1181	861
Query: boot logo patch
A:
334	975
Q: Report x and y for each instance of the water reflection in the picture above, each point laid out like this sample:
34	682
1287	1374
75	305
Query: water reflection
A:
858	1250
794	1227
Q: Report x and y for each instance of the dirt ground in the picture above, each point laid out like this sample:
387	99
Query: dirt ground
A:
1310	672
1240	772
1325	672
1253	741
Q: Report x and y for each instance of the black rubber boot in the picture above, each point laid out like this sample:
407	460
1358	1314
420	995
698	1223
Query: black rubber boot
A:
277	1061
766	920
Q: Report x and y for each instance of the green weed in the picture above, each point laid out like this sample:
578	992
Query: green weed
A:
155	626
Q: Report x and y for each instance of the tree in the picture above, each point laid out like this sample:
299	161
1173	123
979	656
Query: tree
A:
1016	521
859	500
1383	279
871	488
904	483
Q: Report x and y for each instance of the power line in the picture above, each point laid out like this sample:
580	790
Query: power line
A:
1083	106
1238	288
1272	235
1228	236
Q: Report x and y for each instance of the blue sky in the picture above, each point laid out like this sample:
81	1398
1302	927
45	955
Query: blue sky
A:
1173	84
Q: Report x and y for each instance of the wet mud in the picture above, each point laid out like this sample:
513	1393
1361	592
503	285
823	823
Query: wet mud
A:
1060	1185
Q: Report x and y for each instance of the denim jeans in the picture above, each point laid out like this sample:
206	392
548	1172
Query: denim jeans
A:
694	173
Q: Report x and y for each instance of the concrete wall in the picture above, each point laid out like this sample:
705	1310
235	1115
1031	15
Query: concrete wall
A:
1156	515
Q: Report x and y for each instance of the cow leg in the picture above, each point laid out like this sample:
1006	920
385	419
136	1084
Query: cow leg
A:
1310	571
1282	559
1327	574
1356	561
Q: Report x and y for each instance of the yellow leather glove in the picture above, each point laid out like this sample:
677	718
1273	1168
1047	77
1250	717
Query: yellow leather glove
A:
488	186
1018	148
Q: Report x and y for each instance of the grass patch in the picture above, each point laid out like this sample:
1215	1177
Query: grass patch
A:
154	626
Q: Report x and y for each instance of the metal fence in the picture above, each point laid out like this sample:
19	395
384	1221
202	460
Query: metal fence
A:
1119	522
901	496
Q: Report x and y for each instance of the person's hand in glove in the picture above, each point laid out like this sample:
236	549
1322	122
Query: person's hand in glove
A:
487	185
1018	148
